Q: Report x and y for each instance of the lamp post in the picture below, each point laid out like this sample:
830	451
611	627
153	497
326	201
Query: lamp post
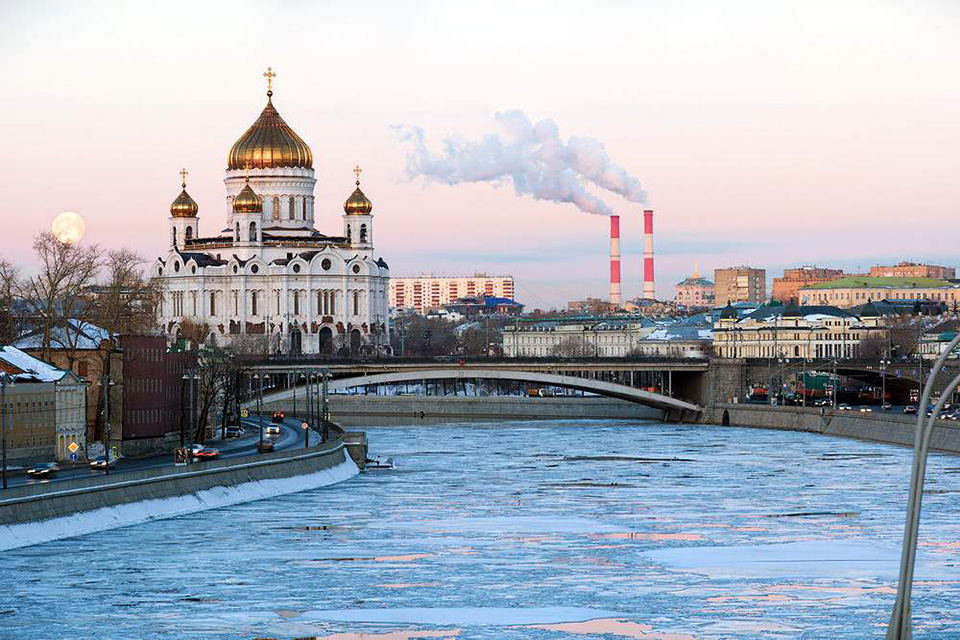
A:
326	406
5	379
105	381
189	376
260	378
900	624
883	382
781	360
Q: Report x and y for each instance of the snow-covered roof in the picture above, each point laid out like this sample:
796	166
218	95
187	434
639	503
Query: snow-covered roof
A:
681	332
30	369
74	335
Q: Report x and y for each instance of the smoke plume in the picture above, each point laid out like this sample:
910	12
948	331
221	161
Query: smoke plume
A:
531	156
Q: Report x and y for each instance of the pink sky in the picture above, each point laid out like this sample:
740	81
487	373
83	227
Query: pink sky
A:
766	133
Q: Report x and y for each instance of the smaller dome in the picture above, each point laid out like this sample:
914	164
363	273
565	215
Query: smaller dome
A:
357	204
869	310
247	201
791	310
184	206
729	313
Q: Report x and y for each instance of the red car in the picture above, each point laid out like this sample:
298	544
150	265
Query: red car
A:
278	417
207	453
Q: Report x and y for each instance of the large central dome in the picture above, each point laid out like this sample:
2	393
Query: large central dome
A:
269	143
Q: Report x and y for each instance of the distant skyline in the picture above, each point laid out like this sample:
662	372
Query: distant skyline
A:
773	134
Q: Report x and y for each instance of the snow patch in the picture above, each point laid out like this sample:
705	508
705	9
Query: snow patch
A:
30	533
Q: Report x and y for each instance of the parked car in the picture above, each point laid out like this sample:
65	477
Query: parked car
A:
272	430
207	453
100	462
866	409
910	409
265	446
278	417
844	407
886	406
43	469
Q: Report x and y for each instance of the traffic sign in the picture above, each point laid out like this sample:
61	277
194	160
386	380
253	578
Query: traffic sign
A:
113	452
73	446
244	413
73	457
304	426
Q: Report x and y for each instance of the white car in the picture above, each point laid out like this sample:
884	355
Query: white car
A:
272	430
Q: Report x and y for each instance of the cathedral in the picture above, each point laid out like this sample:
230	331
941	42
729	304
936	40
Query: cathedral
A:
269	276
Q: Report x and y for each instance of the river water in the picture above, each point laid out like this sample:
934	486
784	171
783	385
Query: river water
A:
567	529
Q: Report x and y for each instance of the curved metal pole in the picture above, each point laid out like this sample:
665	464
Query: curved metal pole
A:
899	628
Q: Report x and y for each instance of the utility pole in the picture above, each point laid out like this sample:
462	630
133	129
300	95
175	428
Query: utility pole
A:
326	406
5	379
105	382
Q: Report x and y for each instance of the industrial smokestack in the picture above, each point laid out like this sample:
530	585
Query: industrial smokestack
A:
648	293
615	260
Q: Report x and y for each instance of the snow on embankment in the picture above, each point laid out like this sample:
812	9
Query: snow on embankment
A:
25	534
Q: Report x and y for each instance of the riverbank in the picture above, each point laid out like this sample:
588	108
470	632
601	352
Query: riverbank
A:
879	427
43	512
404	410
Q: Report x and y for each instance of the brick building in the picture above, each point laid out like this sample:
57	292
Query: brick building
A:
914	270
788	287
739	284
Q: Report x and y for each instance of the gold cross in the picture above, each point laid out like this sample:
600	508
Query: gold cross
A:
269	75
357	171
183	177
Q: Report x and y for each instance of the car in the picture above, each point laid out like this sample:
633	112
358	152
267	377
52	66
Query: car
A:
196	447
43	469
886	406
272	430
207	453
234	431
278	417
265	446
866	409
844	407
100	462
910	409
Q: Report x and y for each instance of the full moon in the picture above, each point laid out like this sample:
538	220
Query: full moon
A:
68	227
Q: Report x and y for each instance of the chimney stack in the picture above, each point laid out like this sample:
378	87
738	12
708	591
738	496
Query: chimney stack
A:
615	260
648	293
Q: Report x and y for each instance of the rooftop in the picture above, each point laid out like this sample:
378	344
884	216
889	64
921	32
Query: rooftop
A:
866	282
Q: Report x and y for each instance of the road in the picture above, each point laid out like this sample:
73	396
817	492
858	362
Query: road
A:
291	437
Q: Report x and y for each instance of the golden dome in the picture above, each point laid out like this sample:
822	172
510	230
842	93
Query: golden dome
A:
269	143
357	204
184	206
247	201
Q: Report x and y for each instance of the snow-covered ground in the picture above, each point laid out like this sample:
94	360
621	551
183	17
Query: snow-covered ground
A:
568	529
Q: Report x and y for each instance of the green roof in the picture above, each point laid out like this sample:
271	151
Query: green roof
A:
864	282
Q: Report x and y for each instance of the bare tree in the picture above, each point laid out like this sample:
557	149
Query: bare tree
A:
125	301
10	318
58	294
194	332
568	348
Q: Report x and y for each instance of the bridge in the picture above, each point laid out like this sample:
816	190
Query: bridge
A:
673	406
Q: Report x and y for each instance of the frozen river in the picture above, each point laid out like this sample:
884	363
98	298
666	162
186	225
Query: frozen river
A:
531	530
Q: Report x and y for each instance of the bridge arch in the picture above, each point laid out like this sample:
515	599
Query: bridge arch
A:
609	389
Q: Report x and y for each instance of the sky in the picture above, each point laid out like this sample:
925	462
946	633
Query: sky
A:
766	133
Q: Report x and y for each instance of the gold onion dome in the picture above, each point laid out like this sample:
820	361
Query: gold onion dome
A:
247	201
357	204
269	143
184	206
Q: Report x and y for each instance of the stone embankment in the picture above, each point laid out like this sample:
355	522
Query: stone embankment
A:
40	512
889	428
406	410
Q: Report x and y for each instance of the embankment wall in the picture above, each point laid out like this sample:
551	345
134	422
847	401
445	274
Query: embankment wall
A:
397	410
60	499
874	427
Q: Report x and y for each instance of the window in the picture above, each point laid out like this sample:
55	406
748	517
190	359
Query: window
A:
236	234
326	264
235	301
276	208
213	303
296	303
253	303
174	236
293	208
356	303
188	235
363	233
253	232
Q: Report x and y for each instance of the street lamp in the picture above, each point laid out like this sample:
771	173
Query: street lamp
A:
260	378
900	626
189	375
106	383
883	382
5	379
781	360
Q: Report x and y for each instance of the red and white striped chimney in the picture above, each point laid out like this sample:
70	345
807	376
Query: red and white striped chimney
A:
648	293
615	260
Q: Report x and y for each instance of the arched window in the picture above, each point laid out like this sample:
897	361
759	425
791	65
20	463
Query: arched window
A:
276	207
296	303
349	234
189	234
363	233
236	235
333	302
293	208
174	236
213	303
253	303
253	233
356	303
